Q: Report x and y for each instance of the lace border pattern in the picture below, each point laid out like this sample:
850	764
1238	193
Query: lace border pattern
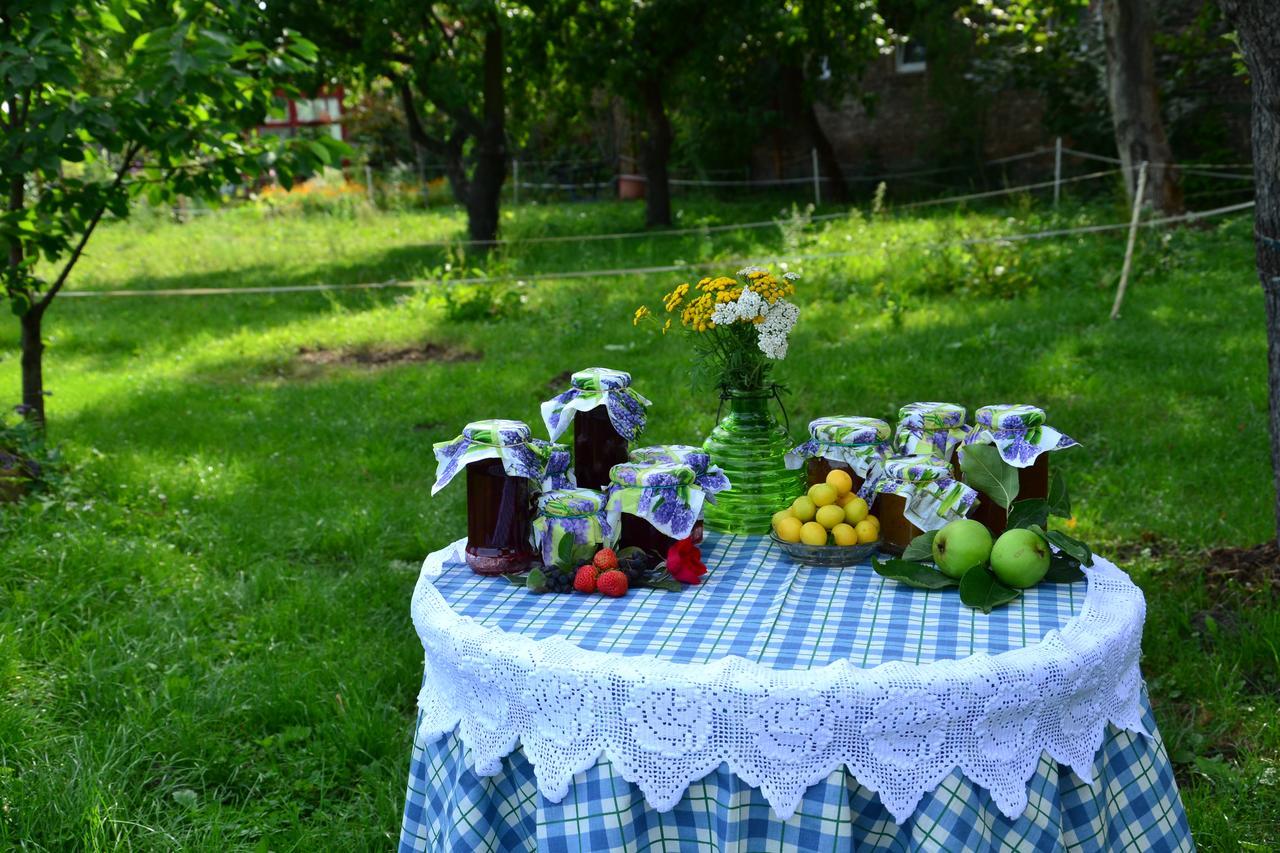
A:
899	728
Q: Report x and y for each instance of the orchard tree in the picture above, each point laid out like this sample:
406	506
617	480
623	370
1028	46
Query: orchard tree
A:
451	64
1257	24
1134	92
101	101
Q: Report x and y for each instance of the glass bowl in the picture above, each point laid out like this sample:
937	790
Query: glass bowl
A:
826	556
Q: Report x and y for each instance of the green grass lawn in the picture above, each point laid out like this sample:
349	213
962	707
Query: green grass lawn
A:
205	639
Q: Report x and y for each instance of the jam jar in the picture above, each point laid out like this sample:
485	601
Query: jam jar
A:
931	429
656	504
917	493
855	445
1019	433
606	413
710	478
503	470
576	515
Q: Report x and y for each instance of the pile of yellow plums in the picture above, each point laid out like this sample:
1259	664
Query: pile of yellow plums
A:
830	514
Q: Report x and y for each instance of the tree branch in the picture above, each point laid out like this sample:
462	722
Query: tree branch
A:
44	301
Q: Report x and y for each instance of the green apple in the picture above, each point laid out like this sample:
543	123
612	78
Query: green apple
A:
962	545
1020	558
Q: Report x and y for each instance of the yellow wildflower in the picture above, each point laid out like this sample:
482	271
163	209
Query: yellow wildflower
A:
641	313
666	326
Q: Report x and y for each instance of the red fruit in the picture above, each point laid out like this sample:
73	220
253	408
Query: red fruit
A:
585	579
605	559
612	583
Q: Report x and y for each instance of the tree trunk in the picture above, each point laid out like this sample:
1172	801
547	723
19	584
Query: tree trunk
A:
33	366
654	153
1129	27
1257	23
485	191
798	108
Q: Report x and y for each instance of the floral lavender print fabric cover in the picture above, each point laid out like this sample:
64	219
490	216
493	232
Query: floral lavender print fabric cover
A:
1018	431
930	429
932	495
579	513
510	441
557	472
860	443
598	386
710	478
661	493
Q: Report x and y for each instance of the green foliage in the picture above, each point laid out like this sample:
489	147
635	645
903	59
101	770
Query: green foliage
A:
986	471
982	590
230	589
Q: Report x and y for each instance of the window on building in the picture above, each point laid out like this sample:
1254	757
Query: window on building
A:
910	58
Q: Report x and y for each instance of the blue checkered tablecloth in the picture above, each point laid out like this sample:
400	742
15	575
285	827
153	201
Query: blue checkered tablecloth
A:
756	604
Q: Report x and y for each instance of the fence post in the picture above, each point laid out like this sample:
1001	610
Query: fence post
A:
817	179
1057	171
1133	235
515	182
368	183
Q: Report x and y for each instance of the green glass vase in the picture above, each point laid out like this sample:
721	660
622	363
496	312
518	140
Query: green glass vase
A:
750	445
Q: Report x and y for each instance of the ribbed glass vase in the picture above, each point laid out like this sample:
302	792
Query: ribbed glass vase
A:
750	445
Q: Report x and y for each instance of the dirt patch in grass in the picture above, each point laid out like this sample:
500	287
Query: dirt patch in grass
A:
1253	571
560	381
384	356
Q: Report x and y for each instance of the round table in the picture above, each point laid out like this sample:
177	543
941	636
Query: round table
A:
779	707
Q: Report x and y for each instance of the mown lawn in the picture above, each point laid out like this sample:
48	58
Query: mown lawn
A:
204	639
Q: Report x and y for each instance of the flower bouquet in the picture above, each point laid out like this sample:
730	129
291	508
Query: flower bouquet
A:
739	328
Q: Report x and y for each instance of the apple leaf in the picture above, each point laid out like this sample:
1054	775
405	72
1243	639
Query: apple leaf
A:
564	551
917	575
1072	547
920	548
1059	500
521	579
982	590
985	471
1028	513
660	578
1063	568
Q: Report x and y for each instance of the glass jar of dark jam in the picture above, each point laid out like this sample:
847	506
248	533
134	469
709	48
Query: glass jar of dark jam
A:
659	504
499	515
854	445
1020	434
597	447
710	478
915	487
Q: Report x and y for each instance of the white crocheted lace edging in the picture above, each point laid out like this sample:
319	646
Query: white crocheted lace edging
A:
899	728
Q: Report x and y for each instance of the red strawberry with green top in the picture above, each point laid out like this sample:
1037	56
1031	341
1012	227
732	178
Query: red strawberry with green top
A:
612	583
585	579
605	559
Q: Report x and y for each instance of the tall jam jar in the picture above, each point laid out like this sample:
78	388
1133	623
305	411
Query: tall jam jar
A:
915	494
857	446
655	504
1019	432
503	469
708	477
930	429
607	414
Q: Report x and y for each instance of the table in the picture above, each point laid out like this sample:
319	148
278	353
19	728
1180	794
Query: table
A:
776	707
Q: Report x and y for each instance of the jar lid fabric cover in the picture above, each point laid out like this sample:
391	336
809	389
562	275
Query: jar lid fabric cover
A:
664	494
510	441
933	428
932	496
1018	431
710	478
849	431
579	515
594	387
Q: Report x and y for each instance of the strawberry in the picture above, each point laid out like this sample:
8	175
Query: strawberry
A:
612	583
605	559
585	579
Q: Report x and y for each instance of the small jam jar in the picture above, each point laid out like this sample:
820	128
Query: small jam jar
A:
917	493
710	478
656	504
857	446
606	415
930	429
1020	434
503	469
578	515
